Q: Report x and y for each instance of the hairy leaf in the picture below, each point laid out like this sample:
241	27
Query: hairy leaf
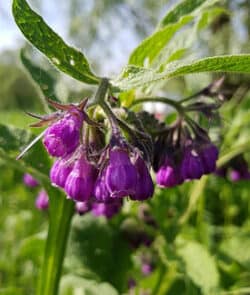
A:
42	78
184	8
200	266
66	58
139	76
151	46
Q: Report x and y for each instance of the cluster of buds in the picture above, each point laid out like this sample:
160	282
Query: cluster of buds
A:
42	199
187	154
98	175
97	179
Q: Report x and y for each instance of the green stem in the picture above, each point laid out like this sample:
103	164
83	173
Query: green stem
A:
165	100
60	215
100	93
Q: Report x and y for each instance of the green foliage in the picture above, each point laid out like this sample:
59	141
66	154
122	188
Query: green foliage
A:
45	81
200	265
66	58
138	76
99	248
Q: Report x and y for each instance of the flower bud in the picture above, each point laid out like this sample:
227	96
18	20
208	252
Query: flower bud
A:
144	185
29	180
101	192
168	175
42	200
209	155
191	166
62	137
108	209
80	183
121	175
60	171
82	207
146	268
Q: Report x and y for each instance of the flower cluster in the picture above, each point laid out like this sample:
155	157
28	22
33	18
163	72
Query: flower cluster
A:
98	171
187	154
96	179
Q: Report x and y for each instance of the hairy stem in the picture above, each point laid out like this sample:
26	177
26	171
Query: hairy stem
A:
60	215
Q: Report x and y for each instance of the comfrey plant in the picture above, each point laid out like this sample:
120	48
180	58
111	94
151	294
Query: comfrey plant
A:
103	147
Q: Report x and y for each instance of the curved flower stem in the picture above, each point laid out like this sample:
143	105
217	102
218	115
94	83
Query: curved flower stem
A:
165	100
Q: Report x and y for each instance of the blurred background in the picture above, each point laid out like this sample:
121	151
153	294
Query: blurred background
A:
216	229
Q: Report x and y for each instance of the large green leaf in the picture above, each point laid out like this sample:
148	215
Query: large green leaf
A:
200	265
94	249
66	58
134	76
151	46
184	8
41	77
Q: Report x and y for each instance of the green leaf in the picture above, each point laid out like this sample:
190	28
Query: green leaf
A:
237	247
138	76
13	140
152	46
42	78
66	58
76	285
184	8
94	249
200	265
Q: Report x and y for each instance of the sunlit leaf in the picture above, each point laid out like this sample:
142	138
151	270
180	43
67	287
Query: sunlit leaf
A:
66	58
138	76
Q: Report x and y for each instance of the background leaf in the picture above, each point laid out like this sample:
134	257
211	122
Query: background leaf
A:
200	266
139	76
40	76
66	58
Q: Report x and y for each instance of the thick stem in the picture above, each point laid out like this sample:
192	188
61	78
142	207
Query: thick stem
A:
100	93
60	215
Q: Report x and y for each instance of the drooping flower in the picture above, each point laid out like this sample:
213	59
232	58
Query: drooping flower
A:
29	180
81	181
101	192
144	185
108	209
192	165
209	155
82	207
169	174
60	171
62	137
42	200
121	174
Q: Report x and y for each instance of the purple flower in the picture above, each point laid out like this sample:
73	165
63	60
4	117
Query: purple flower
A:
108	209
131	283
192	165
101	192
121	174
209	155
146	268
60	171
168	175
80	183
29	180
82	207
42	200
144	185
240	174
62	137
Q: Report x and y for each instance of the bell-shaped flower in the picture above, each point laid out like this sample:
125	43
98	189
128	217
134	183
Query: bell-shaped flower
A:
62	137
81	181
121	174
144	185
